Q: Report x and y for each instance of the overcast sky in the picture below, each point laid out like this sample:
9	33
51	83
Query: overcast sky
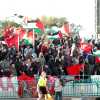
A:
76	11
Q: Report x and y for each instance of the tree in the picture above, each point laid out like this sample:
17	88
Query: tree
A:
53	21
61	21
5	24
9	23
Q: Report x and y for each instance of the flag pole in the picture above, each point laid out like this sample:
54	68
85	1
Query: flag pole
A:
33	40
18	41
18	38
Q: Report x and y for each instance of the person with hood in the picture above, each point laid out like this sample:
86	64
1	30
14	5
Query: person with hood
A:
42	60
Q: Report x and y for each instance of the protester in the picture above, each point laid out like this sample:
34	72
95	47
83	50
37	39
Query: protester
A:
60	56
56	57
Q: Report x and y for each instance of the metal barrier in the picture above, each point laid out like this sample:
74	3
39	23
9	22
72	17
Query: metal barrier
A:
81	89
8	87
11	92
74	88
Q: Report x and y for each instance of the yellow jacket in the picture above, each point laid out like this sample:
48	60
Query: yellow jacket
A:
42	82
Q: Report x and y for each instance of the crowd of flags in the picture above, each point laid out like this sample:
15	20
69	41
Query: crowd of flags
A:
13	35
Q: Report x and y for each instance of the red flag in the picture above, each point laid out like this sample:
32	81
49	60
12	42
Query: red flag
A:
11	37
7	32
24	77
30	36
86	47
12	40
21	34
97	59
66	28
40	25
60	34
74	69
25	20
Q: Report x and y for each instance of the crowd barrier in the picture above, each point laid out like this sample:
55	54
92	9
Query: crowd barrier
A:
8	87
12	88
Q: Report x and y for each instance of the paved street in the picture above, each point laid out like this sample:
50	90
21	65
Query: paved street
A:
31	99
65	98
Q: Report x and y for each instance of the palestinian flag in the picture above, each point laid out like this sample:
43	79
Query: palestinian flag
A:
28	37
38	31
65	29
53	37
58	36
97	56
38	27
97	53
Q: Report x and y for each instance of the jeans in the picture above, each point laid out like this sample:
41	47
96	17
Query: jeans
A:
58	95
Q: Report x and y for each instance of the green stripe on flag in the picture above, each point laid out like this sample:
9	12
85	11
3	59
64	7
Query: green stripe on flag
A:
26	41
38	31
97	53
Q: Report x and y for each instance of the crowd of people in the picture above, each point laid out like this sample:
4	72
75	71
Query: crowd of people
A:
53	56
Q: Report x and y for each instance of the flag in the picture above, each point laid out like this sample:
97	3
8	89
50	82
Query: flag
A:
22	34
65	29
53	37
38	31
11	37
74	69
86	47
12	41
97	56
7	32
25	20
31	36
60	34
57	36
28	37
97	53
40	25
36	25
24	77
97	59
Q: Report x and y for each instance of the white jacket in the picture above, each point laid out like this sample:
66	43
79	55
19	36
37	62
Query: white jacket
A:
58	86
